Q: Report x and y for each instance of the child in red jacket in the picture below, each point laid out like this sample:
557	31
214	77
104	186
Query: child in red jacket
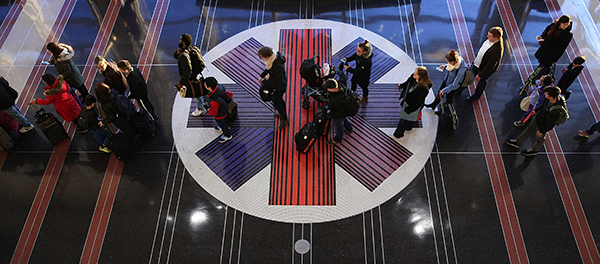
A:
218	106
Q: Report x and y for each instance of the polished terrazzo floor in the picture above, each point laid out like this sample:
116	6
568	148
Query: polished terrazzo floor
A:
474	199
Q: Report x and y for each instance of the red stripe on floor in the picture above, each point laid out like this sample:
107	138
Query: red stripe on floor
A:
568	193
301	179
504	200
151	42
104	205
10	20
44	194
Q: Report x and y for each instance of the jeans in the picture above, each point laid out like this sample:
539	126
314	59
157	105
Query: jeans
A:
102	135
223	125
403	125
481	84
199	102
16	113
532	128
338	128
279	104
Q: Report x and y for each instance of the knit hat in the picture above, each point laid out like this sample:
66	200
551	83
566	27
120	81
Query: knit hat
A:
330	83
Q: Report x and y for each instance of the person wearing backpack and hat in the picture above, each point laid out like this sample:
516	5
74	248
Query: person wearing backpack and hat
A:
337	112
552	112
186	70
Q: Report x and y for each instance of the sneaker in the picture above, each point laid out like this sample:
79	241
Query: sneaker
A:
331	142
224	138
513	143
283	124
199	112
584	134
80	130
26	129
529	152
518	123
394	137
104	149
349	132
568	94
218	128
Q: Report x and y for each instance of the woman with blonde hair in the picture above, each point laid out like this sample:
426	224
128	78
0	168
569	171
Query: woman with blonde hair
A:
414	100
361	75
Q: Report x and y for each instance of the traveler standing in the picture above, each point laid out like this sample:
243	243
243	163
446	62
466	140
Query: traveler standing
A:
277	77
361	75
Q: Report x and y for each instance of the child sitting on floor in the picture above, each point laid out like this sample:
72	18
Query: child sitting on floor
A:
88	119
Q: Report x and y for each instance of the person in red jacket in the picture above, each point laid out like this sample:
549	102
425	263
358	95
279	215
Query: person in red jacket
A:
218	106
58	93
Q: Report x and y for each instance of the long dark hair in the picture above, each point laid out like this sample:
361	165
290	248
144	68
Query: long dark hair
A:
102	92
555	30
424	76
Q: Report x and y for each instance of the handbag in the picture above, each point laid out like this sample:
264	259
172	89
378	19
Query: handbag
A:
266	94
195	89
525	103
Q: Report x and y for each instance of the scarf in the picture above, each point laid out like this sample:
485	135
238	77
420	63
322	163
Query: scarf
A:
269	62
451	67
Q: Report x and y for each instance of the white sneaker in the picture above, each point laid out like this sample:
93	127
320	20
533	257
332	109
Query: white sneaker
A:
224	138
199	112
26	129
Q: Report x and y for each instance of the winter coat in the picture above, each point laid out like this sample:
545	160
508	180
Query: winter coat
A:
137	84
337	105
546	119
554	45
64	103
361	75
218	103
8	95
277	75
453	79
66	67
569	76
414	100
115	79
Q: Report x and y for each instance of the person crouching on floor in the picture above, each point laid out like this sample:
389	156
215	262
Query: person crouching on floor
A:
337	108
88	119
218	107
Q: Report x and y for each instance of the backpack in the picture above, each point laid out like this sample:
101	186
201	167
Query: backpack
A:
196	60
469	78
563	115
124	106
352	102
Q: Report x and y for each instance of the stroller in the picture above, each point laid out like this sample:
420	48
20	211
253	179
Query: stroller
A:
314	76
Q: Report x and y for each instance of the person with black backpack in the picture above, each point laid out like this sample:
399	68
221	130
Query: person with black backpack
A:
218	106
414	100
337	112
111	114
190	64
277	77
552	112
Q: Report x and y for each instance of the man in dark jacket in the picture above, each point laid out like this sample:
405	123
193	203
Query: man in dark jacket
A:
218	106
114	78
8	96
487	60
570	73
62	59
361	75
544	121
275	73
186	76
137	87
337	112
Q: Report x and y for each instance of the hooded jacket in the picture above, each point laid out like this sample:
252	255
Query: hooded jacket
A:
546	119
554	45
277	75
218	104
64	103
66	67
361	75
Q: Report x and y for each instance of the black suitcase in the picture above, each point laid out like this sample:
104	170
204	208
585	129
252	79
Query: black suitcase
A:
121	146
322	120
6	141
142	124
54	130
306	137
448	117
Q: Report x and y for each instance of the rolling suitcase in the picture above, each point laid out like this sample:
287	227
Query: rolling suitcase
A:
322	120
6	141
448	117
142	124
121	146
306	137
54	130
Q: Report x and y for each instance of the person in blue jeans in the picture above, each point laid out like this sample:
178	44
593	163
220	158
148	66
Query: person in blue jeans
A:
88	119
337	112
8	96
